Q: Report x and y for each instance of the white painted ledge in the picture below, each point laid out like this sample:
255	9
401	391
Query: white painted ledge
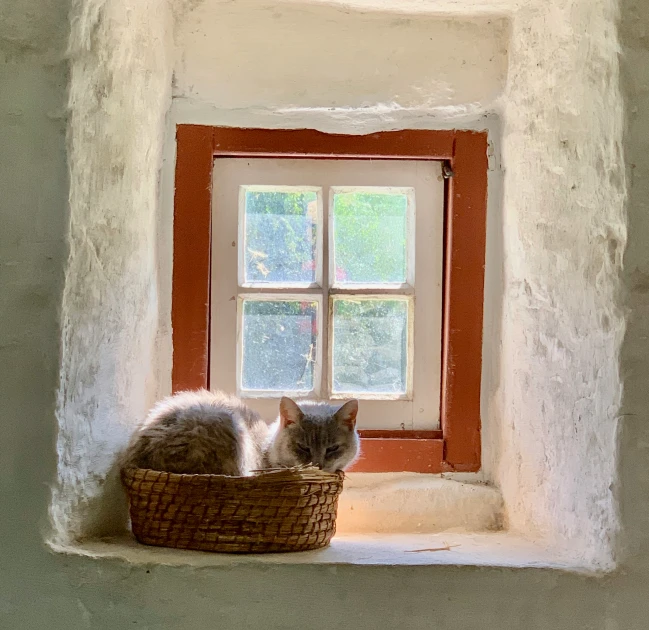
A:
399	503
498	549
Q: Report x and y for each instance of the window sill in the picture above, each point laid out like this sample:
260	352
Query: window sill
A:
498	549
384	519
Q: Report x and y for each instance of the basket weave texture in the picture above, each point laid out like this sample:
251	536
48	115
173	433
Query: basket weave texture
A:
272	511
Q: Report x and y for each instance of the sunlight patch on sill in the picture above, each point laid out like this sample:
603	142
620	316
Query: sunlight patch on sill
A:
397	503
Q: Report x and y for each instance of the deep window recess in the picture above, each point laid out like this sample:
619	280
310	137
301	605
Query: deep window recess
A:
330	266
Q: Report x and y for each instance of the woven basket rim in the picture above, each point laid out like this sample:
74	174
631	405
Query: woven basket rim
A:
299	474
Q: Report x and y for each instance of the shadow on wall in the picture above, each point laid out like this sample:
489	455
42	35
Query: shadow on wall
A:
633	434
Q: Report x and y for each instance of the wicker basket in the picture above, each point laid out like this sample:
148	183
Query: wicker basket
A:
272	511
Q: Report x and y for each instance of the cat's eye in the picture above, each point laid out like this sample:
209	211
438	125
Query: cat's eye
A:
333	449
304	449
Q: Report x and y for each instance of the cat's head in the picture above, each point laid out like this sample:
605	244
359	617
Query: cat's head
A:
315	433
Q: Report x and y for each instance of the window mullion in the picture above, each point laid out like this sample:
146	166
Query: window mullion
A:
326	323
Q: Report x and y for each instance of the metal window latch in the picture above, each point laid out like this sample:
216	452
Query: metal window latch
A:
447	171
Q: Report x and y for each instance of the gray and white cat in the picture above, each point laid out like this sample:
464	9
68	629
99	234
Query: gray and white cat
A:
202	432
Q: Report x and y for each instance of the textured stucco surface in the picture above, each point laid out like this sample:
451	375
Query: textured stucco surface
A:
119	94
350	60
42	590
564	234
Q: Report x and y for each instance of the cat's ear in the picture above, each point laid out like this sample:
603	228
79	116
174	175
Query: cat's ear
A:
346	415
289	412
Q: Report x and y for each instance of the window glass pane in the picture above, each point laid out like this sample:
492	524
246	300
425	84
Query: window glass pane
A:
370	232
370	346
279	345
280	235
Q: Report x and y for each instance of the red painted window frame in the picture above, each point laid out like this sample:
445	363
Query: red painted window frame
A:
457	446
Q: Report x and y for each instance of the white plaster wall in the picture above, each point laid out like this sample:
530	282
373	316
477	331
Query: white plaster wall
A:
42	590
119	93
327	57
564	234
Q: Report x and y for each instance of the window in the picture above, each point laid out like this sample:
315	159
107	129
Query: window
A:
337	279
333	266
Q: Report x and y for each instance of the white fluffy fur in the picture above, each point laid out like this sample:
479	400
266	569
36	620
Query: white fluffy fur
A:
213	422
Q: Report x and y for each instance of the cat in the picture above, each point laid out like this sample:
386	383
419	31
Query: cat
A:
203	432
314	433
